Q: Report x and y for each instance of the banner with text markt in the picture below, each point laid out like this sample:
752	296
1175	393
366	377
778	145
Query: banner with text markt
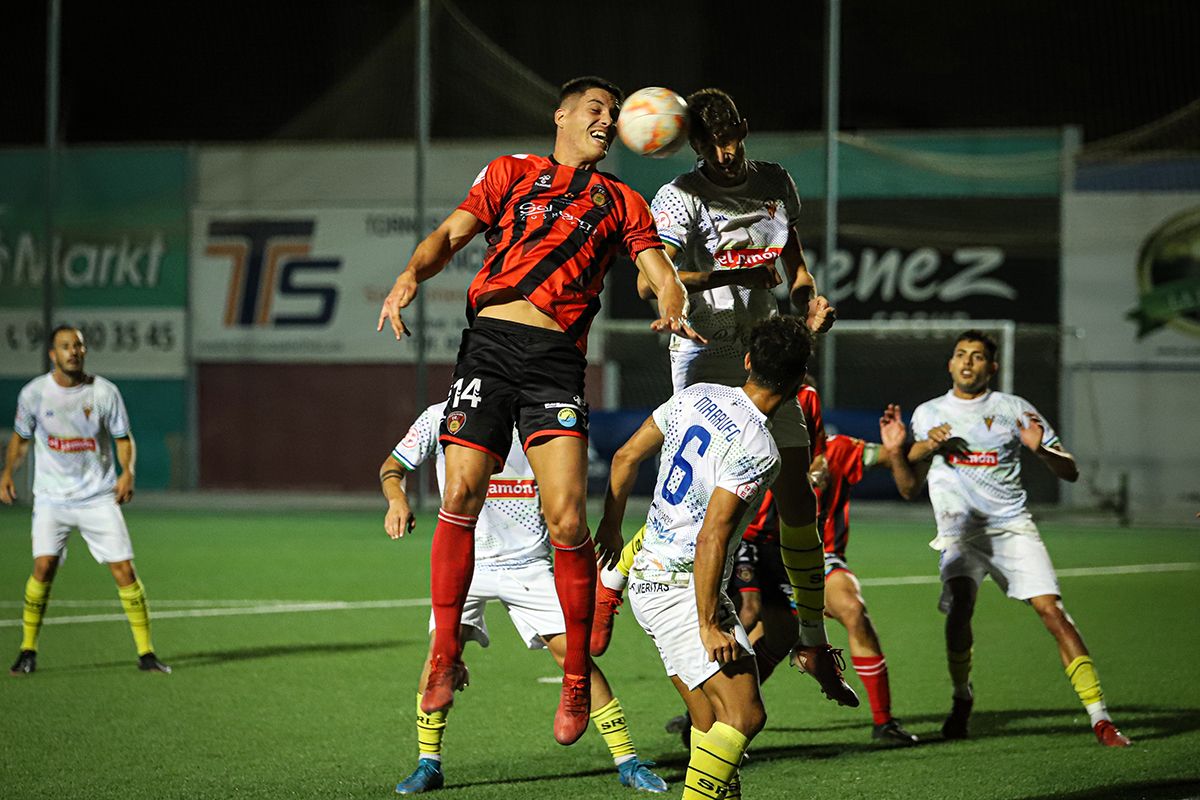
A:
307	285
118	258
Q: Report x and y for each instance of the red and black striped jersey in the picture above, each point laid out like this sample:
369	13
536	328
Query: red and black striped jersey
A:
844	459
552	234
810	404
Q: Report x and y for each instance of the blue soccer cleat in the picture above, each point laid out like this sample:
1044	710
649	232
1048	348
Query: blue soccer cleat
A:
637	775
425	778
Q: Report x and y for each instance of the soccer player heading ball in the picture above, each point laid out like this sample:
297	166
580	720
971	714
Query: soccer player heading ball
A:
554	226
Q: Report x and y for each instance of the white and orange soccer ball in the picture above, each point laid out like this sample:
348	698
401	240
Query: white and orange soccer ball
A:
653	122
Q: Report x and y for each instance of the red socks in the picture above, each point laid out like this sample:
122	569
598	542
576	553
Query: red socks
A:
452	565
873	672
575	580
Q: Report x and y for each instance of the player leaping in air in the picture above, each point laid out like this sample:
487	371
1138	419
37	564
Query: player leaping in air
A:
554	225
968	443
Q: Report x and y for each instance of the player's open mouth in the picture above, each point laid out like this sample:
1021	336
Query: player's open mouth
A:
600	136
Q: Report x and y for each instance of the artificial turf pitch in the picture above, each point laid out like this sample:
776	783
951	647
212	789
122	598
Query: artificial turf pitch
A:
282	691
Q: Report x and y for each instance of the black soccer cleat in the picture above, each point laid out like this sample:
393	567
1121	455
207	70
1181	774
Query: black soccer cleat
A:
955	726
25	664
148	662
890	732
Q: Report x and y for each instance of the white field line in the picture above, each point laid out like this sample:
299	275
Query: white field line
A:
235	608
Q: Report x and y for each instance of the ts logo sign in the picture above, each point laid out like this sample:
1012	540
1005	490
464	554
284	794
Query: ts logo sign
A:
270	259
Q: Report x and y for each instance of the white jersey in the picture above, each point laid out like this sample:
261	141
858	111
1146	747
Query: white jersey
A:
73	431
717	228
511	531
982	487
713	437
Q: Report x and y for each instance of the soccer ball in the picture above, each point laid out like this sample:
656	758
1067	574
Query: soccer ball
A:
653	122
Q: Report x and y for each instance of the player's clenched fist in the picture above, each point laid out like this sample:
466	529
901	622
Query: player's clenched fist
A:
821	315
402	293
719	644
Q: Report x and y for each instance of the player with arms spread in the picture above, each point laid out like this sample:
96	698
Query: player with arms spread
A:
718	459
512	566
74	419
727	223
554	226
968	443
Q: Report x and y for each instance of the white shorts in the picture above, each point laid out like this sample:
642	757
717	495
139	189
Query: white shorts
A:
1012	552
689	367
668	614
527	593
101	524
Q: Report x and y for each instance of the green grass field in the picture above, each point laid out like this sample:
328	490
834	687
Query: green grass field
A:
272	701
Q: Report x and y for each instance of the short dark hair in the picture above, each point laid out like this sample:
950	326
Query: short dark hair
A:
580	85
779	351
713	118
54	334
976	335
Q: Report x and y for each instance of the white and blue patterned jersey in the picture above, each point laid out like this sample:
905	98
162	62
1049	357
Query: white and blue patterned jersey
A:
714	437
73	430
972	489
735	227
511	531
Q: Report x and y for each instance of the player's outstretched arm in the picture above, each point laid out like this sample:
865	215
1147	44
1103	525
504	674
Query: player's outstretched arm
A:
399	519
725	510
14	457
645	442
1057	460
893	436
126	457
672	299
802	288
431	256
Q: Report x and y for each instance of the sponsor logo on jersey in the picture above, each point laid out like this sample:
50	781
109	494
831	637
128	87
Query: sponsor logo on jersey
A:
662	220
411	438
748	490
544	180
567	417
645	587
533	210
599	196
988	421
747	257
456	421
75	445
984	458
512	489
771	206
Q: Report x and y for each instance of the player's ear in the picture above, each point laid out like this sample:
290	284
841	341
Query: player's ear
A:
747	362
559	114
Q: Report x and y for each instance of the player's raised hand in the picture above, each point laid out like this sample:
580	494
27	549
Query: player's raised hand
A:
399	519
608	543
124	489
403	292
1031	431
892	430
677	324
8	490
821	315
719	644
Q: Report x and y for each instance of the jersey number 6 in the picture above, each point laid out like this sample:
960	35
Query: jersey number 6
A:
701	435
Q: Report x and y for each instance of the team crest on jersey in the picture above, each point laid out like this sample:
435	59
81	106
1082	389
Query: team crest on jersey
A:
988	421
745	573
599	196
87	412
748	490
456	421
567	417
771	206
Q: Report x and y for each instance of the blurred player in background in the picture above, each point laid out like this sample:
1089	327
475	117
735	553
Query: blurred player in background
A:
718	458
968	443
512	566
74	420
726	223
554	225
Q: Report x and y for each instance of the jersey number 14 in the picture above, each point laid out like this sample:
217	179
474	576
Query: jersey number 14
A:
470	393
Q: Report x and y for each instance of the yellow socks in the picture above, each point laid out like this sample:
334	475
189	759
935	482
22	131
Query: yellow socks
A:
36	594
133	598
959	665
616	578
714	762
430	729
803	557
1082	674
610	721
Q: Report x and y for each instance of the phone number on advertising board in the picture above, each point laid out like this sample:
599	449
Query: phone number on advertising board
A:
112	336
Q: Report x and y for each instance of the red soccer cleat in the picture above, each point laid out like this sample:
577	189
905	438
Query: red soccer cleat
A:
608	601
574	707
826	664
1108	735
445	677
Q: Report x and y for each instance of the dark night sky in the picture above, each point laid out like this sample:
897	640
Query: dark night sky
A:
250	70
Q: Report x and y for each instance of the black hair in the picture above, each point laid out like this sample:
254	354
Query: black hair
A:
580	85
54	334
713	118
976	335
779	351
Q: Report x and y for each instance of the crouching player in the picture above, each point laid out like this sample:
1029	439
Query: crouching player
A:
512	565
719	458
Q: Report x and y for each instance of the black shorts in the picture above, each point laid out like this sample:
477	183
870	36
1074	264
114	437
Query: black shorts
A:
758	567
512	375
